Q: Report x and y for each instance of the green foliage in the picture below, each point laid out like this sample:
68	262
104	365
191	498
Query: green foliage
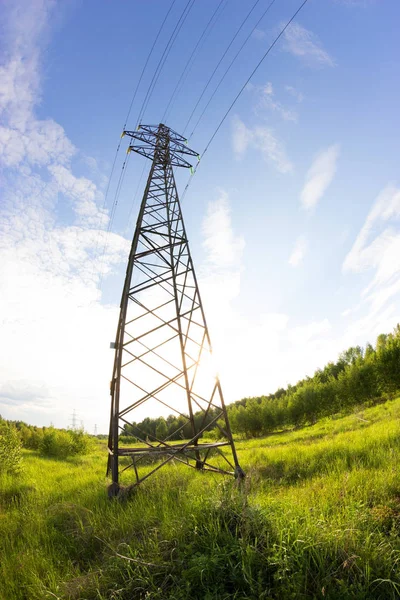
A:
358	377
10	449
81	442
318	516
161	429
127	440
31	436
58	443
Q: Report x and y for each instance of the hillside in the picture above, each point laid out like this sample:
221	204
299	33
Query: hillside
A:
317	517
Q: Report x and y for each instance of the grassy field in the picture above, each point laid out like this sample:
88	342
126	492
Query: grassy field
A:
318	516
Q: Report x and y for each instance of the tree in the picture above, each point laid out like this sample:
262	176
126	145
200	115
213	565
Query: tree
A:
161	429
10	449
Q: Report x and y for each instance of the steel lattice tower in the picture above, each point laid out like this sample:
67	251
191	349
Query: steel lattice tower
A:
162	347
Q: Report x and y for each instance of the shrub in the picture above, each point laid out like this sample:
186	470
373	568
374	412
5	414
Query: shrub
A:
127	440
10	449
81	442
59	443
31	437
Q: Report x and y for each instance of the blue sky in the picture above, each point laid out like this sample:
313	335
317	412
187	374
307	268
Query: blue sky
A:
292	216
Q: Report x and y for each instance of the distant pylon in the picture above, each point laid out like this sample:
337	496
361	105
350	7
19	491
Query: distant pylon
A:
73	419
162	347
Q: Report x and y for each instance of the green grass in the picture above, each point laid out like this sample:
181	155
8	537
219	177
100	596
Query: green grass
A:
318	516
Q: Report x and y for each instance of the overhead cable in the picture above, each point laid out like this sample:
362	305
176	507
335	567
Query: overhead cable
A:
146	63
164	56
206	30
126	120
218	64
282	31
230	66
113	211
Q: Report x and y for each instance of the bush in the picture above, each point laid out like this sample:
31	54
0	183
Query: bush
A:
81	442
59	443
31	437
126	440
10	449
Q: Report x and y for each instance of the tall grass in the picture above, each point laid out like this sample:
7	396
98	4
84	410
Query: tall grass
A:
318	516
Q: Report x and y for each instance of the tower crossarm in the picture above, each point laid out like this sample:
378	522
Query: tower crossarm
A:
169	145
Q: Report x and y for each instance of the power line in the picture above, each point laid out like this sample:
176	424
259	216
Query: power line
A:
282	31
164	56
112	216
227	111
149	92
207	27
127	117
218	64
134	198
230	65
146	63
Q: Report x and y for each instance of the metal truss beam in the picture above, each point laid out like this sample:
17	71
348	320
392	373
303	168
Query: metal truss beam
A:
162	344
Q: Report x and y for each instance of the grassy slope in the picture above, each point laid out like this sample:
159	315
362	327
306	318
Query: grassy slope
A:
317	517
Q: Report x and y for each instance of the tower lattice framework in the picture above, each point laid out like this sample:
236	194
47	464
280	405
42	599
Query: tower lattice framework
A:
163	356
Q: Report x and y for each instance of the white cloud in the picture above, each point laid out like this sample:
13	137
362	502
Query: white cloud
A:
299	251
267	101
83	193
319	177
220	278
223	247
377	248
262	139
377	252
241	137
221	271
295	93
304	44
54	352
255	353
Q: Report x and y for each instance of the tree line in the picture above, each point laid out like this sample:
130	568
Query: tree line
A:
169	428
359	376
48	441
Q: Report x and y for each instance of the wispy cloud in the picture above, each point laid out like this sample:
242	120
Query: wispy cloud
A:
305	45
258	34
224	248
295	93
262	139
377	249
319	177
298	252
377	246
267	101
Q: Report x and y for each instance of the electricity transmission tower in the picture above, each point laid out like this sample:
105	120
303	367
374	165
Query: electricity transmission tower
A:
162	347
73	420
